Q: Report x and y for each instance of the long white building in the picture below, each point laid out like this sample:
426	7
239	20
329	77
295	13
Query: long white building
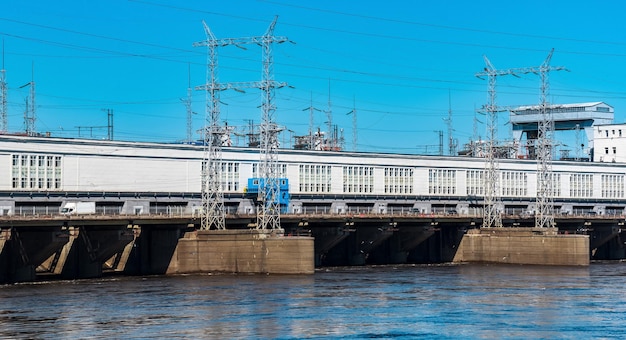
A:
42	173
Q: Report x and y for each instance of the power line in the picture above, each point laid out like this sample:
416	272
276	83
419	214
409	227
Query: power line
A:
466	29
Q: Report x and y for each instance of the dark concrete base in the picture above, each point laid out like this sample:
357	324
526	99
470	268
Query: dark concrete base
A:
540	246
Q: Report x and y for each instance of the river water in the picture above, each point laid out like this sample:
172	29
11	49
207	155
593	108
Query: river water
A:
388	302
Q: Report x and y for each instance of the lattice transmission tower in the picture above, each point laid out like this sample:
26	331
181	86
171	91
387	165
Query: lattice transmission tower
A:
212	195
4	123
544	216
213	215
188	102
269	214
491	215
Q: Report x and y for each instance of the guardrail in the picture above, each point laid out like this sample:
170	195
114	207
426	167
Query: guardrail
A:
184	212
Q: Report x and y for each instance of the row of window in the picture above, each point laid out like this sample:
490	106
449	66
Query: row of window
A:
441	182
581	185
399	180
41	172
44	172
514	183
613	186
358	179
563	110
315	178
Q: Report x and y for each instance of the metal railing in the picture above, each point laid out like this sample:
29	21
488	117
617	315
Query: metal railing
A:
184	211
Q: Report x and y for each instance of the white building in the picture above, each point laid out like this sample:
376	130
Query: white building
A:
41	174
609	143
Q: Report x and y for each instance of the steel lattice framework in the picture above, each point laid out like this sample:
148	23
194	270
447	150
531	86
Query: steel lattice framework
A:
544	216
269	213
213	216
188	107
4	125
545	206
491	215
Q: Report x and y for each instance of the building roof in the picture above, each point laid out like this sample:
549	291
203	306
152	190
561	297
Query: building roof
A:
554	106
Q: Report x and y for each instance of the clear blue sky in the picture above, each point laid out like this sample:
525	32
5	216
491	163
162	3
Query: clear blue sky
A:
401	64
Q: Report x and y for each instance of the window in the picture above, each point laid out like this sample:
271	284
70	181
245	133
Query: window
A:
314	178
612	186
441	182
398	180
581	185
514	183
550	185
230	176
36	171
474	180
358	179
281	168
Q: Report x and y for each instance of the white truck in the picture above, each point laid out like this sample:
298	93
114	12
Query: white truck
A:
79	208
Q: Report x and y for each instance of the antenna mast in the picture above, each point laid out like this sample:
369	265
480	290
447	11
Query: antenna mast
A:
311	123
110	124
329	116
30	112
312	136
354	126
451	143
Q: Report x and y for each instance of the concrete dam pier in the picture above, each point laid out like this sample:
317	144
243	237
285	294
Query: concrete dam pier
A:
242	251
90	248
523	246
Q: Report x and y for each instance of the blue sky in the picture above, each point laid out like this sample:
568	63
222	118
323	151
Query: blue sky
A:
401	64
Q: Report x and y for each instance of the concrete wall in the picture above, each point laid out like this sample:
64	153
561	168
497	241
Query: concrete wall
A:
523	246
242	251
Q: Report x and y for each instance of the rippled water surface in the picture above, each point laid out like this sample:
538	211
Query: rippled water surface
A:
460	301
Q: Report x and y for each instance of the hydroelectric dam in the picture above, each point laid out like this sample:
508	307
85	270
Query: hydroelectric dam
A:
89	246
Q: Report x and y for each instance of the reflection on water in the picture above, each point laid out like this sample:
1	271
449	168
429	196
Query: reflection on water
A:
475	301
